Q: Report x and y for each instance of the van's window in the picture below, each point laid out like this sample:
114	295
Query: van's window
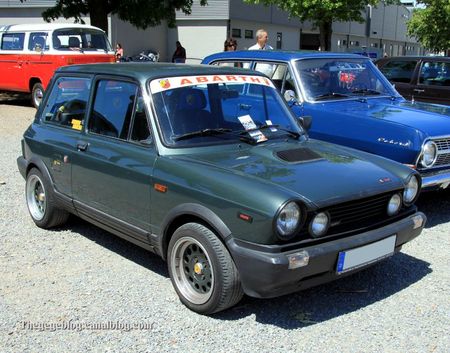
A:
38	41
113	108
82	39
66	105
13	41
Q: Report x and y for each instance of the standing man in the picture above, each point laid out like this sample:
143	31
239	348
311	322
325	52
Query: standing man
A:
261	41
179	56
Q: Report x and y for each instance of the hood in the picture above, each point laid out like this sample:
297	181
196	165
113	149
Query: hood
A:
315	171
431	119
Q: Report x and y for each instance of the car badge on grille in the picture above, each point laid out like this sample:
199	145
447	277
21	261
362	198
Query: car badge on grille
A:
384	180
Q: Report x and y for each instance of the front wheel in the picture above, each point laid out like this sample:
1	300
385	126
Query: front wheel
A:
36	94
202	270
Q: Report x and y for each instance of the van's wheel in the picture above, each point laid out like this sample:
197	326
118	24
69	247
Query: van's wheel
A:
36	94
202	270
41	203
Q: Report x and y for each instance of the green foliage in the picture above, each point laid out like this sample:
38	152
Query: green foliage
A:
140	13
431	25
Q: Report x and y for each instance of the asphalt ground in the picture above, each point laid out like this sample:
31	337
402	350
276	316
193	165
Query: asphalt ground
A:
78	288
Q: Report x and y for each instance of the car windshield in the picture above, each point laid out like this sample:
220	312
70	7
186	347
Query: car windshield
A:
82	39
332	79
217	109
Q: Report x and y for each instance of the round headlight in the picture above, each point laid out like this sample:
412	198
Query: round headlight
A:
411	190
319	224
429	153
394	204
288	220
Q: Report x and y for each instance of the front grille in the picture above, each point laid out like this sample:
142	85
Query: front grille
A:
443	146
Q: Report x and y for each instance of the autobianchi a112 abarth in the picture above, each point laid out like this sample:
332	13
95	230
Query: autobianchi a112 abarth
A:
208	168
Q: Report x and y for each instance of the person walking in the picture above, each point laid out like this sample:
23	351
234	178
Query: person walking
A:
261	41
179	56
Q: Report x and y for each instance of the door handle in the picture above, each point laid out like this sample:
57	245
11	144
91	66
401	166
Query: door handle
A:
419	90
82	146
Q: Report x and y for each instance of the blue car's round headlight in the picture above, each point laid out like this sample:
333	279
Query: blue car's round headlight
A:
429	154
288	220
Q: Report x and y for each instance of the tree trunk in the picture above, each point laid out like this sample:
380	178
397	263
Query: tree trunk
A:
325	28
98	12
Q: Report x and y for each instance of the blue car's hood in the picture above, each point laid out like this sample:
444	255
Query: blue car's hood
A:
431	119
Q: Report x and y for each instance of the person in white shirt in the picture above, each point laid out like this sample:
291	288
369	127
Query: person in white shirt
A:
261	41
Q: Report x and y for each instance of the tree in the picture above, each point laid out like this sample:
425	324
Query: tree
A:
140	13
431	25
322	13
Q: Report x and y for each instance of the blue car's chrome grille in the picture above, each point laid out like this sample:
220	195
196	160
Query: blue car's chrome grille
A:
443	146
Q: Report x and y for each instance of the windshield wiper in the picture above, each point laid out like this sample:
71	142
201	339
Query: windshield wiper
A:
365	91
204	132
330	95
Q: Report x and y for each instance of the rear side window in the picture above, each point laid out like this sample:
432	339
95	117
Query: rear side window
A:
13	41
399	70
435	73
66	105
113	108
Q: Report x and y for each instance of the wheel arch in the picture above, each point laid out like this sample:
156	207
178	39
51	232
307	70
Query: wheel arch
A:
33	81
186	213
40	165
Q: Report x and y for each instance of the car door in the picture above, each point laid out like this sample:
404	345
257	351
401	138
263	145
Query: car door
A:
113	165
400	73
433	85
12	62
63	117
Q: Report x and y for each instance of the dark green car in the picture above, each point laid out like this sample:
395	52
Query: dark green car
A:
208	168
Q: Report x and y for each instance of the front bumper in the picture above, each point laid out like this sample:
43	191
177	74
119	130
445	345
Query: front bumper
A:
436	180
265	274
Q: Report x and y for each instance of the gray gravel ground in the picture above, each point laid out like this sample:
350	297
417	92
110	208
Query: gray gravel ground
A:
81	275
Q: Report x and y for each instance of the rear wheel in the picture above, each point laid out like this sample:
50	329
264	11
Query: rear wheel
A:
202	270
36	94
41	203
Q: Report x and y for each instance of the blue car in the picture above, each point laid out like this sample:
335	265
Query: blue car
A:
353	104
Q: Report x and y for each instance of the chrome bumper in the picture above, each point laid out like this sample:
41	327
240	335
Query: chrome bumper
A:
441	180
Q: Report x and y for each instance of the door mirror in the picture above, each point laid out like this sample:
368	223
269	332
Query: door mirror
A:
305	122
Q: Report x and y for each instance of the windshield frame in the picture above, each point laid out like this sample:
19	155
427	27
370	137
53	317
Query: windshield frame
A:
390	90
153	101
80	32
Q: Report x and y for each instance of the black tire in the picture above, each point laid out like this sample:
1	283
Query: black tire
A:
41	202
202	270
36	94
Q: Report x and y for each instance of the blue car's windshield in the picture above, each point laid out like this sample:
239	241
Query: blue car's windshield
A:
323	79
217	109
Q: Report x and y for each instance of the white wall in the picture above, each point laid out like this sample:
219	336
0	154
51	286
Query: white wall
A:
133	40
25	15
199	38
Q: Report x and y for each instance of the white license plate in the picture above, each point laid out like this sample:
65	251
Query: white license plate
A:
364	255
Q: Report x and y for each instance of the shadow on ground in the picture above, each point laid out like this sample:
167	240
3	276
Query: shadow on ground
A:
436	206
19	99
297	310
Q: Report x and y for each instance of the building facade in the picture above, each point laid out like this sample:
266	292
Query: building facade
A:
204	31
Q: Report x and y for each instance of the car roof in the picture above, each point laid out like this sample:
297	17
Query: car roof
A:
417	57
145	71
281	55
43	27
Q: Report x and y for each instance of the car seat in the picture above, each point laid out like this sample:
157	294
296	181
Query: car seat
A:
190	113
74	42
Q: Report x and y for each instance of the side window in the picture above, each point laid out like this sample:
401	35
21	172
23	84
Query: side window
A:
113	108
13	41
37	41
140	131
66	105
233	63
435	73
399	70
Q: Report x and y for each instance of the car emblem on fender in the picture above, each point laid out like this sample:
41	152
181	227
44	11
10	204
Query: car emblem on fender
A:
384	180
